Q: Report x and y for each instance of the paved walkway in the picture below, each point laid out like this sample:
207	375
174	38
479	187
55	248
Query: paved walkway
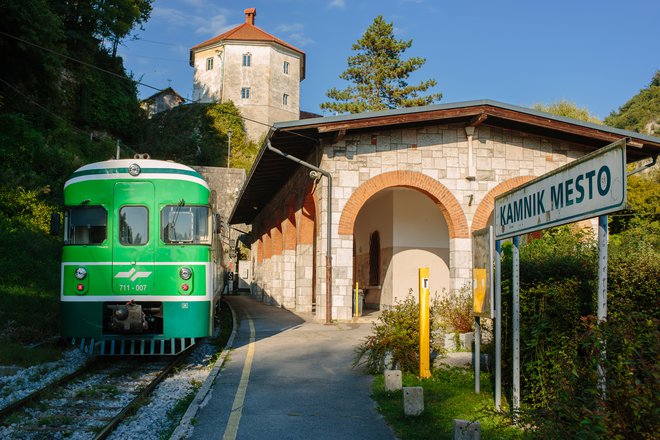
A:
289	379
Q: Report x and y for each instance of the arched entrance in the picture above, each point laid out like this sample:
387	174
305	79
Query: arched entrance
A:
419	224
397	231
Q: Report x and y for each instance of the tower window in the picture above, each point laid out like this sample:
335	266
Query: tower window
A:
245	93
209	64
247	59
285	99
286	67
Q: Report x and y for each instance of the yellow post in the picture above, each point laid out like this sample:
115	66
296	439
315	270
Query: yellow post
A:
424	326
356	313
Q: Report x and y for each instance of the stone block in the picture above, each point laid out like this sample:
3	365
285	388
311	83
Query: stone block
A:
413	401
466	430
393	381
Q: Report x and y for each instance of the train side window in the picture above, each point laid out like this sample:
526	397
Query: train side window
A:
134	225
85	225
185	224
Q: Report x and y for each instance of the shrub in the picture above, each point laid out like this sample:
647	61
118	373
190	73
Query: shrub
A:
396	334
455	311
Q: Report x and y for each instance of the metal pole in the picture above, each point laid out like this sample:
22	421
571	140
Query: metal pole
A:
516	325
328	257
477	354
498	325
424	325
118	149
602	292
229	133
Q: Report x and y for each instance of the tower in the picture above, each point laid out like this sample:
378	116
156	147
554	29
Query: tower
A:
260	73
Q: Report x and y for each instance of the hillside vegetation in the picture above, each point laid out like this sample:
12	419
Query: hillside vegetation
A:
197	134
642	112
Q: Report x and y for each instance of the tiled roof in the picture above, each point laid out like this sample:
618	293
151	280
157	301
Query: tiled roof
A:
246	32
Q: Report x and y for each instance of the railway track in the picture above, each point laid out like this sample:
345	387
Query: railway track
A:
88	404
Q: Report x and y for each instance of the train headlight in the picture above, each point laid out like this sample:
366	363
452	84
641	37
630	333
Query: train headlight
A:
80	273
185	273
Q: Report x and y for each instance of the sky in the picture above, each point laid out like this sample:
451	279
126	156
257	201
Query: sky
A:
595	53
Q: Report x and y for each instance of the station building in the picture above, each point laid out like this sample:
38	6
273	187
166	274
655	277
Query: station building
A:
408	188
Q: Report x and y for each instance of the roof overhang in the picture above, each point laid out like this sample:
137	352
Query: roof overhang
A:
298	138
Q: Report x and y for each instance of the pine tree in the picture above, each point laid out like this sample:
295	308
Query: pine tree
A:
379	75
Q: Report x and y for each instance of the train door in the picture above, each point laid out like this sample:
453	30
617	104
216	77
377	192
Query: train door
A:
134	239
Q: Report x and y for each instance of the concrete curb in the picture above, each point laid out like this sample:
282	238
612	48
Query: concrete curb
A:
185	427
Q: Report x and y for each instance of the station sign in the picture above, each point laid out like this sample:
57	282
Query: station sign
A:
591	186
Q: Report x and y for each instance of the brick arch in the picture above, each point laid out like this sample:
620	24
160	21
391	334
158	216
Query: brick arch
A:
441	196
276	238
308	218
486	205
289	226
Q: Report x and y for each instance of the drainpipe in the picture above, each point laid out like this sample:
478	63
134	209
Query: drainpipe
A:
471	172
328	256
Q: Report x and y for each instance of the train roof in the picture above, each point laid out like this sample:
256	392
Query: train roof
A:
135	169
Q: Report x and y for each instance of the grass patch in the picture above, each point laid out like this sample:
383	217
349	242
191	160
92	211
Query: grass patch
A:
448	394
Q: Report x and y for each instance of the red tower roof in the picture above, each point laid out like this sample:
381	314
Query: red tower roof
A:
245	32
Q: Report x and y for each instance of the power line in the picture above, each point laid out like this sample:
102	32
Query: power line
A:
45	109
130	79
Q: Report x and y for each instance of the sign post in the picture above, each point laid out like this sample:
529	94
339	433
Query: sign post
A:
424	325
482	290
591	186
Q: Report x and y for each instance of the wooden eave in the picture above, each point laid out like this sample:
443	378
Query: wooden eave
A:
299	138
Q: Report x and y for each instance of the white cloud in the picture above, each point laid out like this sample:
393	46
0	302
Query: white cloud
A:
209	22
339	4
299	40
293	27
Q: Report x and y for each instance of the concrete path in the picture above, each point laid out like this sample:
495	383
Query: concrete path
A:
289	379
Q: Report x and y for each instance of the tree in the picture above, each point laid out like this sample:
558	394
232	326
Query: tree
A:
379	75
568	109
642	112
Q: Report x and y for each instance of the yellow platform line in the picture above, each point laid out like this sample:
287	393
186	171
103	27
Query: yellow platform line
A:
237	407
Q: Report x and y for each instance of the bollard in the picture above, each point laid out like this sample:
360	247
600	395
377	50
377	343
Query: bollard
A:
393	380
413	401
466	430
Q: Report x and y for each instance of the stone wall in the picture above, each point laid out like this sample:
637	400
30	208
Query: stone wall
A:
432	160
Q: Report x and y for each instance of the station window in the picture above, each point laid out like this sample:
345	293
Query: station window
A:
134	225
245	93
185	224
286	67
247	59
374	259
209	63
285	99
85	225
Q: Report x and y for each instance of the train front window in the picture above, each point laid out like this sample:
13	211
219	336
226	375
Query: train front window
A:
85	225
182	224
133	225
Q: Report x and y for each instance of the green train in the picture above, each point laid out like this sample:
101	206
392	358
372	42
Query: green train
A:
142	261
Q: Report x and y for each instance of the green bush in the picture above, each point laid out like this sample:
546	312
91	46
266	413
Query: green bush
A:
455	310
562	345
396	334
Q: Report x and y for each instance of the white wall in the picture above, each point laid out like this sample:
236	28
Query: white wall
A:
413	234
421	239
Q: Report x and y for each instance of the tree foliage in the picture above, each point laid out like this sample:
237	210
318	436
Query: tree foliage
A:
642	112
379	75
568	109
196	134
